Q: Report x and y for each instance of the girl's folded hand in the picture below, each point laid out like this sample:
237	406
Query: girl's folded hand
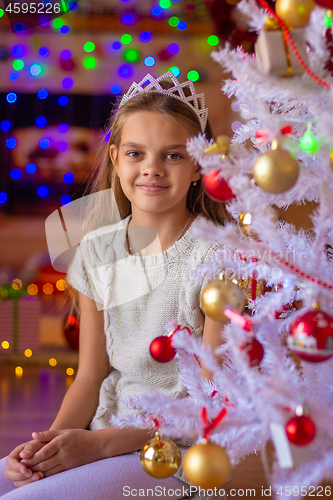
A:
17	471
64	449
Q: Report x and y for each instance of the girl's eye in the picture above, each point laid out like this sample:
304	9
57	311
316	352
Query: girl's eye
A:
174	156
134	154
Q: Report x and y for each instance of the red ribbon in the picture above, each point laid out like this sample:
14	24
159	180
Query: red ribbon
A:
264	136
180	327
210	426
243	321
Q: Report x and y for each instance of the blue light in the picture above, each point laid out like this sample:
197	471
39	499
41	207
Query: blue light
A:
175	71
44	143
67	82
65	55
18	50
11	97
42	93
125	71
145	36
66	200
42	191
64	29
72	5
182	25
68	178
11	143
149	61
43	51
31	168
18	27
5	125
127	19
173	48
15	174
63	100
62	146
13	76
107	136
41	121
63	128
116	89
116	45
3	197
156	11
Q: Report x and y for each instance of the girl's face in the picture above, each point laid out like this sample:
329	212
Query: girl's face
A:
153	151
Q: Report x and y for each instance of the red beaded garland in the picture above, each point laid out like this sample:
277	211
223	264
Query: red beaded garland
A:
301	430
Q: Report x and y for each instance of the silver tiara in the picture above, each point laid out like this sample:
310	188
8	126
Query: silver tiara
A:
151	84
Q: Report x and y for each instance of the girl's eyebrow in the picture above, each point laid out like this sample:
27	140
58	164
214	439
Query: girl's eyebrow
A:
135	145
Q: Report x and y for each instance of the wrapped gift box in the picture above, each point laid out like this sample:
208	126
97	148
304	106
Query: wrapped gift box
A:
20	324
272	53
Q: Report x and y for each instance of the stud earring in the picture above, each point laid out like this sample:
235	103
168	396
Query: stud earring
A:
195	183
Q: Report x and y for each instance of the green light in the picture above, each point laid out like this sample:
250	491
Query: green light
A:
212	40
89	46
89	62
57	23
1	12
308	142
131	55
327	22
126	39
193	75
173	21
18	64
64	7
165	4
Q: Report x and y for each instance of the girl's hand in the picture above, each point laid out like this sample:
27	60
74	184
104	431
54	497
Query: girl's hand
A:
65	449
16	471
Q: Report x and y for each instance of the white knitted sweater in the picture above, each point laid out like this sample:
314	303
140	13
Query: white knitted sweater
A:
138	296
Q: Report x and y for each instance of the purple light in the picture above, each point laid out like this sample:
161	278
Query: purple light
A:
116	45
63	128
65	55
127	19
62	146
67	83
125	71
64	29
156	10
173	48
19	50
44	52
44	21
18	27
13	76
116	89
145	36
107	136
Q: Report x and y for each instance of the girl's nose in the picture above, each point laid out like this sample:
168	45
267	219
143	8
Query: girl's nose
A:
153	165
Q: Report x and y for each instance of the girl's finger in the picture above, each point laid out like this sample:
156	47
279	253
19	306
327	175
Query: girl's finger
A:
13	475
47	465
43	454
34	477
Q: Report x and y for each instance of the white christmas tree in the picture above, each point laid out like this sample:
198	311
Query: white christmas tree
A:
290	125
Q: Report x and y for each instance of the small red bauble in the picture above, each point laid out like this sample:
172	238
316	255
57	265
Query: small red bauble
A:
161	349
301	430
326	4
254	350
216	188
311	336
72	332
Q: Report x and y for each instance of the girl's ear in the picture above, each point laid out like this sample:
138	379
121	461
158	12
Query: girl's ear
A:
113	153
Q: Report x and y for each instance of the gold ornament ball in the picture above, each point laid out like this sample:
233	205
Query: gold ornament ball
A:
160	457
244	223
217	295
296	13
207	465
276	171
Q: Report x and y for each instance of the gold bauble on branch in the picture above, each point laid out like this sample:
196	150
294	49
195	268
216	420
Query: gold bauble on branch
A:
217	295
221	146
295	13
276	171
160	457
245	222
207	465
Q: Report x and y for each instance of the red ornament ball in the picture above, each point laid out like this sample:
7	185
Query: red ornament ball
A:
254	350
217	188
326	4
161	349
72	332
301	430
311	336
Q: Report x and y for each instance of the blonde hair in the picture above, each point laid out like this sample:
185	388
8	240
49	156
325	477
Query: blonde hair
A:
104	174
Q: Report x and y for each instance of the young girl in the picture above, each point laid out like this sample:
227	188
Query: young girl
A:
126	296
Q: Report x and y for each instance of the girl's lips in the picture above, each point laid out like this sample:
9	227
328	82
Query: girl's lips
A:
152	189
